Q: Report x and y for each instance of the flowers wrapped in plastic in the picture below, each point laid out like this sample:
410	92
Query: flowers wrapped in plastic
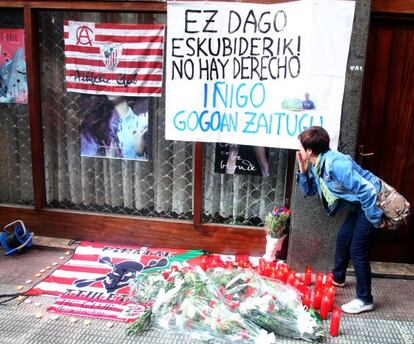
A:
232	305
270	304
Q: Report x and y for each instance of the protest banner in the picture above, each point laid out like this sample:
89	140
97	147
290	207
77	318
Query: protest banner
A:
256	75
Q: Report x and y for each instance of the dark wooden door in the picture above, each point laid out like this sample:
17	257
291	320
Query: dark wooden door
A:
387	123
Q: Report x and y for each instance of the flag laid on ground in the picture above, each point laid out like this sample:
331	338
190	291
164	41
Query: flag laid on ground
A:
114	59
95	281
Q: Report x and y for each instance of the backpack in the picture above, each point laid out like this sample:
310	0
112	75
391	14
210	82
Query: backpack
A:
395	207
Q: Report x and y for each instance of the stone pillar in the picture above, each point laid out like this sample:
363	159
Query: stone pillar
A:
313	232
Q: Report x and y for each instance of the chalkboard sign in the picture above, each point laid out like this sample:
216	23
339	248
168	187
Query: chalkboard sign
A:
241	159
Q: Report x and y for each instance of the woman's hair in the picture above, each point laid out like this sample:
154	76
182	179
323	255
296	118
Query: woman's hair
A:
316	139
96	118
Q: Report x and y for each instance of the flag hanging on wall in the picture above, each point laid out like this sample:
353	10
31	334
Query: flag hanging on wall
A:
114	59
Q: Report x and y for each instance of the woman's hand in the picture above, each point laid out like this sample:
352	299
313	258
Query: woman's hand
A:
303	164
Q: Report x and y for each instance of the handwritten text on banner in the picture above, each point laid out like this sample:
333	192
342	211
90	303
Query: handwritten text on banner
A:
255	74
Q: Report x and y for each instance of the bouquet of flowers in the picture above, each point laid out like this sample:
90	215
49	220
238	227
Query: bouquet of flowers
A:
236	305
272	305
187	301
277	222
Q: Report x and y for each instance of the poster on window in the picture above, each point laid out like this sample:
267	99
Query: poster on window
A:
114	127
256	75
13	81
114	59
241	159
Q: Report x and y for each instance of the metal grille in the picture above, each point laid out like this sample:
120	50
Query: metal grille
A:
160	187
243	199
15	154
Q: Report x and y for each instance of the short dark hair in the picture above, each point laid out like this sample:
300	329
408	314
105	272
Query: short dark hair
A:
315	138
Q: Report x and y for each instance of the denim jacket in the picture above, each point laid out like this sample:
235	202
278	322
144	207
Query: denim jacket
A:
347	181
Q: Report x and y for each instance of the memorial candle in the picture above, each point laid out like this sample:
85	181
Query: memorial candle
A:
316	302
318	280
203	263
279	275
306	299
325	306
336	318
308	276
331	293
262	262
291	278
328	279
285	274
297	283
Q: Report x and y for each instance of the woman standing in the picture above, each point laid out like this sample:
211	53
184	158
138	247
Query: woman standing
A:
340	181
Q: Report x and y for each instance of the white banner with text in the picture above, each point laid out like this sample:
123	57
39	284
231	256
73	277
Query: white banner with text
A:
256	75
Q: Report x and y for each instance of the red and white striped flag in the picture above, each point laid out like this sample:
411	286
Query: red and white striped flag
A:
96	281
114	59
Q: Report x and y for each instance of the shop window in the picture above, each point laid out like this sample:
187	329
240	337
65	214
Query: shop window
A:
159	184
242	183
15	153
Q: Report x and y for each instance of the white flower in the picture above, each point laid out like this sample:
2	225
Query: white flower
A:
156	278
236	317
248	304
265	338
165	320
165	297
305	321
188	309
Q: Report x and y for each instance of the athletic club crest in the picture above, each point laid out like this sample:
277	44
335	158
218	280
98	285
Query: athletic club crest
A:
111	55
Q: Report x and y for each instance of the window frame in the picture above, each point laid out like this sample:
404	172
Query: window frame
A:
122	229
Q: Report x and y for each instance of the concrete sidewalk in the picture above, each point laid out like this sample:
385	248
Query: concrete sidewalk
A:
27	321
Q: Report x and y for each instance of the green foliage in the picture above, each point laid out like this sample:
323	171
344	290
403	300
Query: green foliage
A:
277	222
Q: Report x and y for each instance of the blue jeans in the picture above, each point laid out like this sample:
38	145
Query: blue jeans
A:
353	242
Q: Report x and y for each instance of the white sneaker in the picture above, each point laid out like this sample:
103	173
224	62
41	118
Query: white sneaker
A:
336	284
357	306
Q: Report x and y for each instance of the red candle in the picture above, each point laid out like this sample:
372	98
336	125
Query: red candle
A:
303	289
308	276
291	278
240	261
262	262
306	299
279	275
317	296
336	318
328	279
229	265
325	306
318	280
260	270
297	283
331	291
331	294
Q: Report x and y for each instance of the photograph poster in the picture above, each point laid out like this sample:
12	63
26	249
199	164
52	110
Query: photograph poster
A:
115	127
241	159
13	81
